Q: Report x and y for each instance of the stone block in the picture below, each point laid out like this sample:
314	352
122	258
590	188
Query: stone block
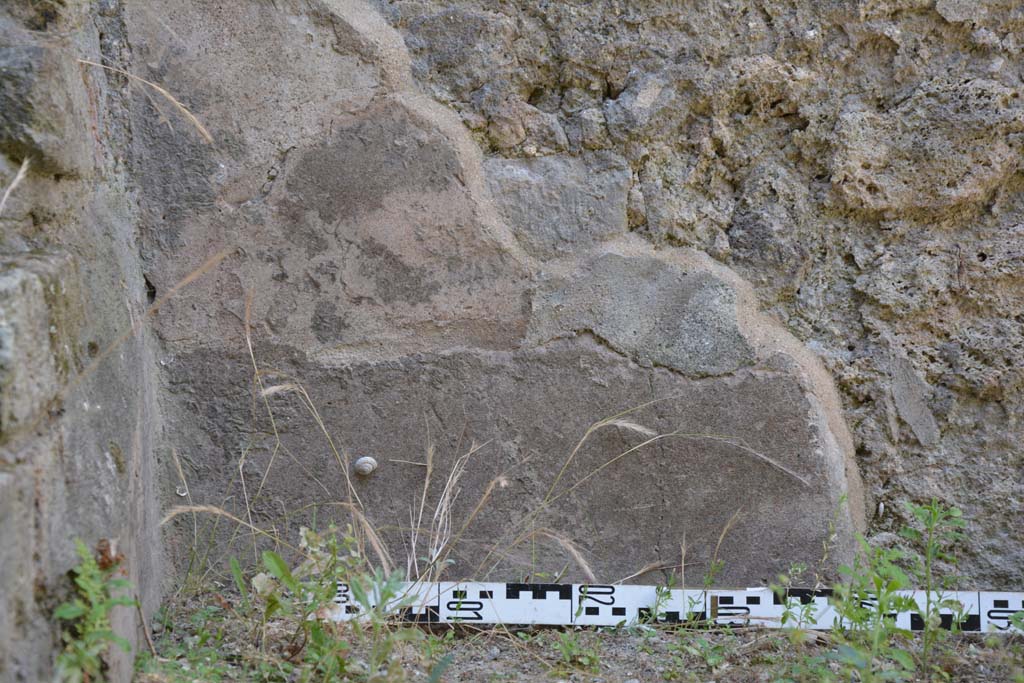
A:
17	609
558	204
747	452
42	113
30	372
653	311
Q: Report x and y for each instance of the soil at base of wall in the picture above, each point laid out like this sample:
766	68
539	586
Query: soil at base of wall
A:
203	639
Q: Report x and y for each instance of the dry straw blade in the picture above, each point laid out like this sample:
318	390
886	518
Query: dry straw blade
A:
20	176
196	123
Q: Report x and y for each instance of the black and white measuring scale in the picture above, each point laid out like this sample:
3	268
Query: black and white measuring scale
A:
573	604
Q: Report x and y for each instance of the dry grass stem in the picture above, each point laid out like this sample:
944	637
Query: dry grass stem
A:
527	522
493	484
756	454
219	512
188	495
374	539
649	567
245	453
682	561
412	561
632	426
278	389
570	548
22	172
616	420
725	530
258	379
145	625
205	134
441	539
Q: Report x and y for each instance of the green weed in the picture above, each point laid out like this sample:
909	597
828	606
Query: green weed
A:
575	655
87	634
712	654
941	530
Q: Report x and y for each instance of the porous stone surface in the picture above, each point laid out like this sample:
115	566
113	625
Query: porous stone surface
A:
857	162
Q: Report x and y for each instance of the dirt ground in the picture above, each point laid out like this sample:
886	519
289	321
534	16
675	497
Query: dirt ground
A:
752	655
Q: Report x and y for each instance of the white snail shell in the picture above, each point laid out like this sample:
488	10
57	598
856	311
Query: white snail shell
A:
365	465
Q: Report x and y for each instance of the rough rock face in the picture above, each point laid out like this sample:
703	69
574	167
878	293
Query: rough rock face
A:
78	417
429	299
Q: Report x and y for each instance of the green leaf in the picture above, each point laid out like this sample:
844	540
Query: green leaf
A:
359	593
70	611
122	601
903	658
273	605
99	636
121	642
236	573
408	635
851	656
438	669
279	570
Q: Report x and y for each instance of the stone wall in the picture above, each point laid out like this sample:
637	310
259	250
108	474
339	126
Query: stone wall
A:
856	162
449	195
78	418
428	295
783	235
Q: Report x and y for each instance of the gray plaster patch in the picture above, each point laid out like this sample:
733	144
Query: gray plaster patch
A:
527	409
327	325
556	204
366	161
396	280
649	310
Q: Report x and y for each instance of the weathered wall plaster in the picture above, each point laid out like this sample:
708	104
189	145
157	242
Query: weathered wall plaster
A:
427	296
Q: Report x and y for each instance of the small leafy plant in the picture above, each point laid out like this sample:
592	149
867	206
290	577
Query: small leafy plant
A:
711	653
796	615
306	596
88	635
940	531
574	655
867	604
662	597
877	587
